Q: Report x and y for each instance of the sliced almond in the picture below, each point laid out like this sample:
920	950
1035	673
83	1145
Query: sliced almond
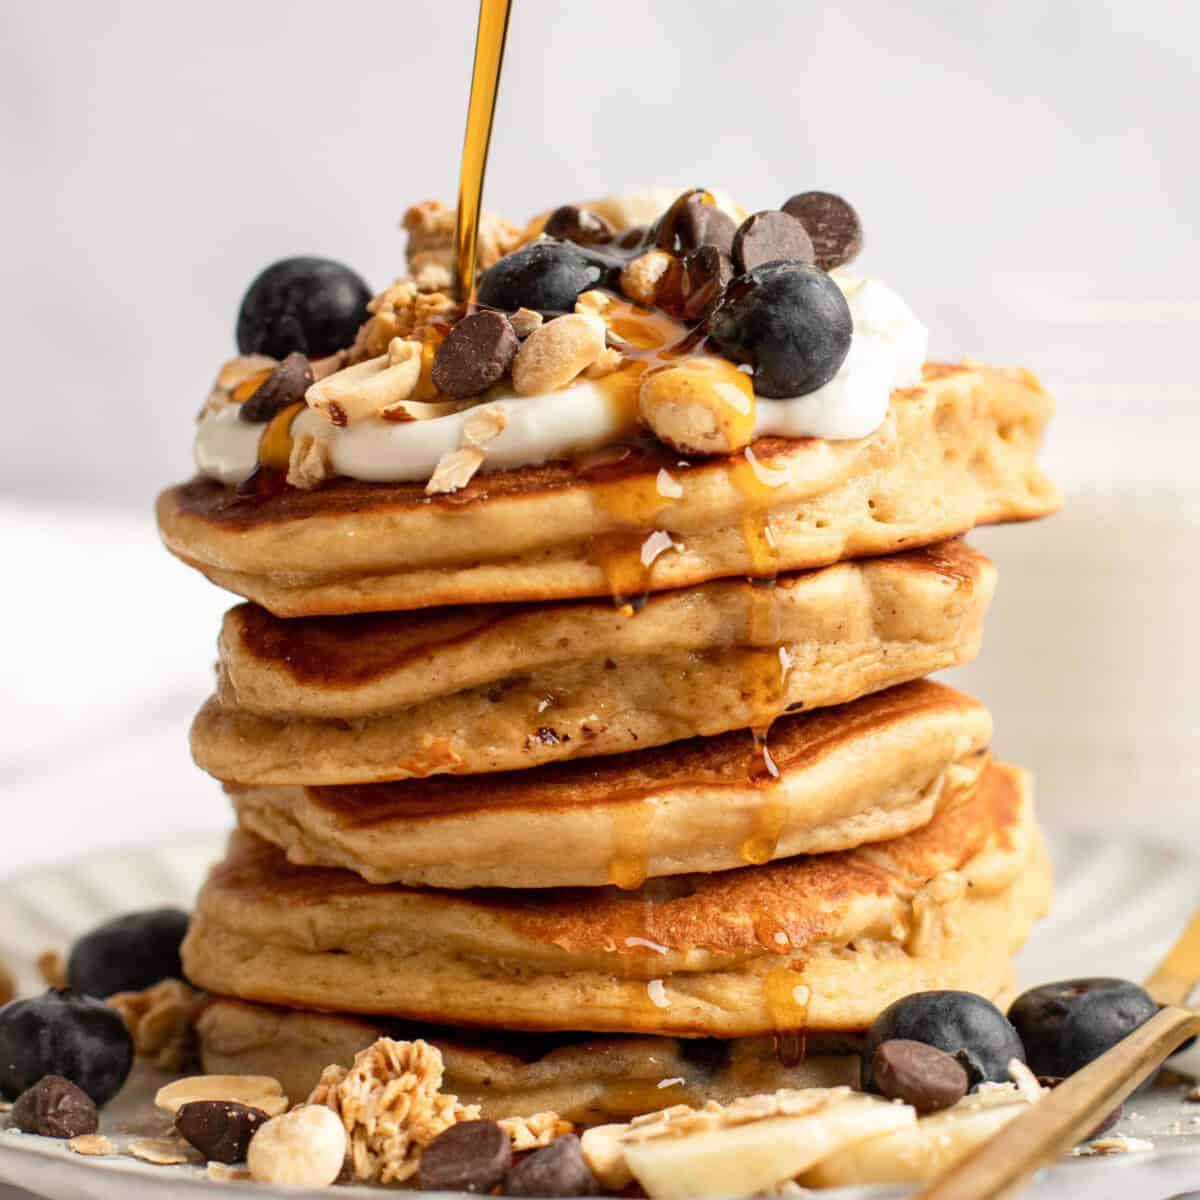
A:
162	1152
92	1145
255	1091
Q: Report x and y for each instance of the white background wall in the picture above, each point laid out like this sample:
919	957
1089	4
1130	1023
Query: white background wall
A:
1028	176
1037	157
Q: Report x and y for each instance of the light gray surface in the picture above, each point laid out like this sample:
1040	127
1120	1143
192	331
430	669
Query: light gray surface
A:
1018	166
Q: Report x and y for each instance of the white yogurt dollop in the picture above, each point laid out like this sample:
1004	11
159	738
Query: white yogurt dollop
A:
886	352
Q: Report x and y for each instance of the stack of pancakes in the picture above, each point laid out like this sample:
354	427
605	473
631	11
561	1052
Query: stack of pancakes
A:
620	781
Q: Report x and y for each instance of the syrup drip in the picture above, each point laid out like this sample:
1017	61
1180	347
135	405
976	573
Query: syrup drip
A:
630	862
787	1000
250	385
274	453
650	340
481	109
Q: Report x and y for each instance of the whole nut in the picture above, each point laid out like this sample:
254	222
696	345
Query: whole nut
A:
305	1148
699	406
366	388
553	355
254	1091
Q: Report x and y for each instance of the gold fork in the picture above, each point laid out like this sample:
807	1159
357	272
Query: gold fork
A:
1002	1166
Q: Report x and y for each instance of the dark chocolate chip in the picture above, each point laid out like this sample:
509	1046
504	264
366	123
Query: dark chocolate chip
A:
285	385
927	1078
578	225
557	1170
703	224
472	1156
220	1129
55	1107
832	224
706	271
474	355
770	236
633	237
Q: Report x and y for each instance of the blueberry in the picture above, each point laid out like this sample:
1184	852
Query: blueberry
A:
64	1033
789	321
546	276
964	1025
310	305
1066	1025
129	953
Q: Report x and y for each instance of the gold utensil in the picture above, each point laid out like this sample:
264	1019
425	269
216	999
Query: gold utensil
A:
1003	1166
481	108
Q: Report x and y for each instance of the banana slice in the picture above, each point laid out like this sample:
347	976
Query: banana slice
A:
921	1152
740	1160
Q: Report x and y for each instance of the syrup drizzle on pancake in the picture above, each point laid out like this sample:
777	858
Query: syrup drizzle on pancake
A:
274	454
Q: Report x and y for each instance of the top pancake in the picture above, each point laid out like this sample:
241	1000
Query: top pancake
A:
956	451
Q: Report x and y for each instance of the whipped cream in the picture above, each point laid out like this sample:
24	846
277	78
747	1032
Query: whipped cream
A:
887	350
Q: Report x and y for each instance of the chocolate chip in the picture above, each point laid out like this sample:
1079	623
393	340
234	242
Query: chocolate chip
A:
633	237
558	1170
832	224
770	236
924	1076
706	271
474	355
578	225
55	1107
702	224
220	1129
690	223
285	385
472	1156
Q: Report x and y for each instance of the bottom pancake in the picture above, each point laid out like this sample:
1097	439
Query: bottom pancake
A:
587	1079
817	943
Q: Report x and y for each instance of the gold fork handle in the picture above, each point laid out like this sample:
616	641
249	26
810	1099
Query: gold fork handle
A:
1004	1164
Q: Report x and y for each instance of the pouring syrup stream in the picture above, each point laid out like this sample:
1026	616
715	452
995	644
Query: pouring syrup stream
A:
481	109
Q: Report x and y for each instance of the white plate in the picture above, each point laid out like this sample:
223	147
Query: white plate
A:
1120	905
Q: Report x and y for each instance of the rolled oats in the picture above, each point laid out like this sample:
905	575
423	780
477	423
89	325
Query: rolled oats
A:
391	1106
430	229
552	356
532	1133
53	969
224	1173
161	1021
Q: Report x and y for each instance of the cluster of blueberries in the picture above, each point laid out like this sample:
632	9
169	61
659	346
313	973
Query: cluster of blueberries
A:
769	301
1055	1029
73	1037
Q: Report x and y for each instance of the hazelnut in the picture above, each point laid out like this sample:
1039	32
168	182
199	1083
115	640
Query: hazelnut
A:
699	406
305	1147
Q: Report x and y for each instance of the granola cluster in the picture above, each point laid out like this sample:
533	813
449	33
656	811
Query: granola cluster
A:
161	1021
391	1105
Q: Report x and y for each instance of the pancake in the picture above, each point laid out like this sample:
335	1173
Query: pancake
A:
956	451
862	772
729	954
577	680
585	1078
365	665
